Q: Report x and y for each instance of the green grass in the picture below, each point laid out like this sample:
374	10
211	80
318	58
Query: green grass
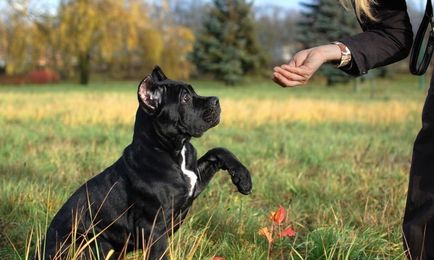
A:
343	183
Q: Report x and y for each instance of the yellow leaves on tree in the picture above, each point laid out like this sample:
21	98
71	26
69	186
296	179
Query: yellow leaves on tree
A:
105	35
141	44
18	37
3	42
79	24
84	25
151	44
121	34
179	41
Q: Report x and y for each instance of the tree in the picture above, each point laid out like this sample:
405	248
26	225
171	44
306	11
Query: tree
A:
85	26
111	32
140	44
226	47
178	38
18	34
178	43
120	38
27	38
2	48
325	21
189	13
276	31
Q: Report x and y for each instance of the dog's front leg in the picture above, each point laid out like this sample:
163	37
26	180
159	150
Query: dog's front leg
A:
220	158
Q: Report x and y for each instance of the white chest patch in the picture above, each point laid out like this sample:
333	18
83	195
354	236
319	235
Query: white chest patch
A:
189	174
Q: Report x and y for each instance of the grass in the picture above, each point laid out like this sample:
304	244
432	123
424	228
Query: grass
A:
337	160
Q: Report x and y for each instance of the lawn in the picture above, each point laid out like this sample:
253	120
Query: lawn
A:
335	159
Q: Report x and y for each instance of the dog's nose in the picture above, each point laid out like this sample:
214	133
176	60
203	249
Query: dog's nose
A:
214	101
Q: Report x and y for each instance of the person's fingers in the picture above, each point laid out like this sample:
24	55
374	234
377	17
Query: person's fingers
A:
284	82
286	69
291	63
289	75
290	78
302	71
278	82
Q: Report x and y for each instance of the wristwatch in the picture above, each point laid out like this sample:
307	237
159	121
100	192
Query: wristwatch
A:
345	54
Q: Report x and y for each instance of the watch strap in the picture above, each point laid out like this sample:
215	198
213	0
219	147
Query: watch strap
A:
345	54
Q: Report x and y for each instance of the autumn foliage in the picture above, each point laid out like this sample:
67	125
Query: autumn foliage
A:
276	230
121	39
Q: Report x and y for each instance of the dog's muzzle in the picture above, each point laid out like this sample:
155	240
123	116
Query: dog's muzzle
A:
212	114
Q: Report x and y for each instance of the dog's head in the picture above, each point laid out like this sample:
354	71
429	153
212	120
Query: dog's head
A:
174	106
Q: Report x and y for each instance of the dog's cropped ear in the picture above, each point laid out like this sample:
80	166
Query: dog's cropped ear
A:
149	95
158	74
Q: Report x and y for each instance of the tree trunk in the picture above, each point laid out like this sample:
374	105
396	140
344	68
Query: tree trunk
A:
84	68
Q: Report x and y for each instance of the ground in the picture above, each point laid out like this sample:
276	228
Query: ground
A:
337	160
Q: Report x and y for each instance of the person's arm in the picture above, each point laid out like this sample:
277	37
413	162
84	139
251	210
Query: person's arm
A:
383	42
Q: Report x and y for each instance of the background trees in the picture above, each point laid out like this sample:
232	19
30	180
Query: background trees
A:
116	36
276	30
18	35
226	47
120	39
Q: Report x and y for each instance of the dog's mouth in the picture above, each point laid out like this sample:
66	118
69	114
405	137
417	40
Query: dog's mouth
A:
212	116
216	121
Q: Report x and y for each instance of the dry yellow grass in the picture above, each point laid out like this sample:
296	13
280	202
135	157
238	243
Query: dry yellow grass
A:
344	188
259	112
110	108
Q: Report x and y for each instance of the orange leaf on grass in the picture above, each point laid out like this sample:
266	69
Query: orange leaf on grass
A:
279	216
266	233
218	258
288	232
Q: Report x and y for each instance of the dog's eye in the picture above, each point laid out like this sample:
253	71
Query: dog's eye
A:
186	98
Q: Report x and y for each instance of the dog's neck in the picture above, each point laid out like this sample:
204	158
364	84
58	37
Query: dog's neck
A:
145	132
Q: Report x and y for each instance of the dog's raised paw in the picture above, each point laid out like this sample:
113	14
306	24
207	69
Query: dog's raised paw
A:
245	186
241	178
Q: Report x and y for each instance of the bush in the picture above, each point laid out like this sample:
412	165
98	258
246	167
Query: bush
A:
39	76
43	76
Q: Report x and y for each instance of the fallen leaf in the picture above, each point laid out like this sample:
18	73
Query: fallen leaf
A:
288	232
279	216
218	258
266	233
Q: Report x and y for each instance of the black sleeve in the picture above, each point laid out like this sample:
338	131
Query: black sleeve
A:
384	41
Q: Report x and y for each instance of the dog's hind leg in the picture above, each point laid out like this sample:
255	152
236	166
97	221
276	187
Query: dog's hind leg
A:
220	158
99	249
158	250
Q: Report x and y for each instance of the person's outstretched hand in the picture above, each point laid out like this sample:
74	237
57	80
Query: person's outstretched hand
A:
304	64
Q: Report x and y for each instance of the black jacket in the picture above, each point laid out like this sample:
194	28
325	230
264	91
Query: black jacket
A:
384	41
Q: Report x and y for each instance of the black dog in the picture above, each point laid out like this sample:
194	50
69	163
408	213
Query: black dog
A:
143	197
